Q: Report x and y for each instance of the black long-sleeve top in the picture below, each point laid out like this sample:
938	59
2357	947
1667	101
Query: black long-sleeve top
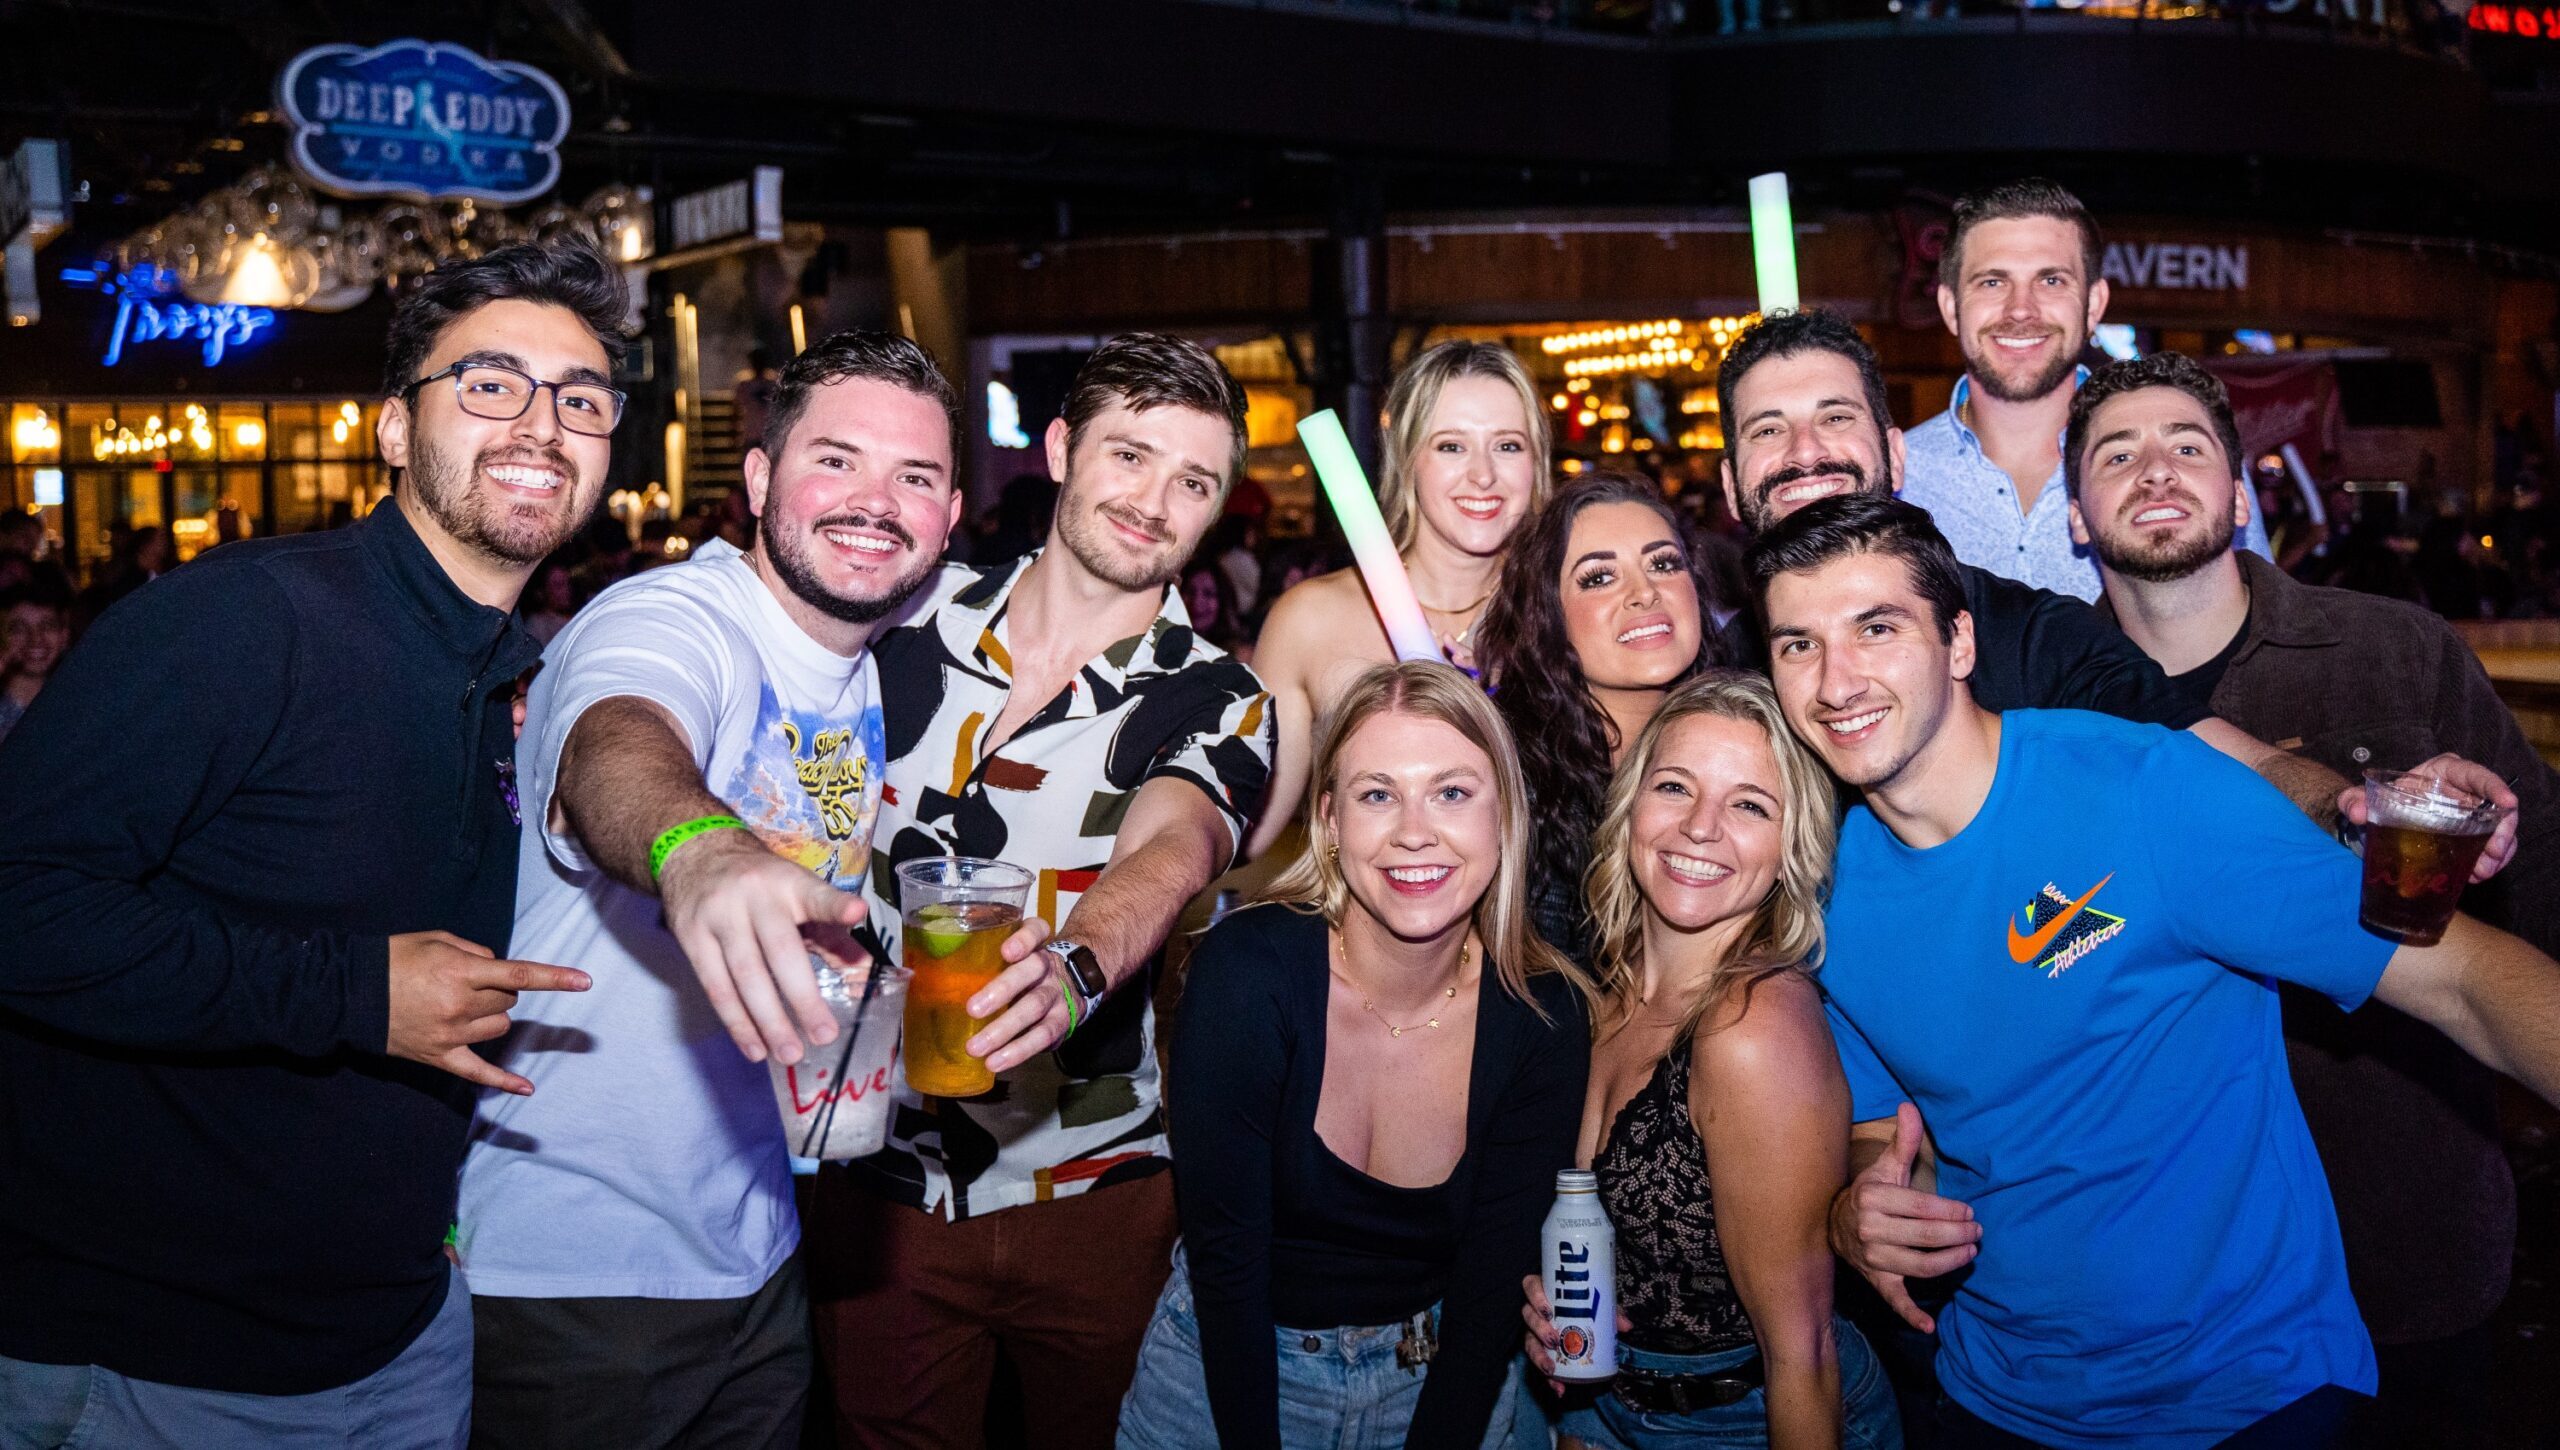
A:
1279	1231
2038	650
242	782
2034	649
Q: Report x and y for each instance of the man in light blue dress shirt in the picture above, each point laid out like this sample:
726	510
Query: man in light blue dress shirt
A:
2018	285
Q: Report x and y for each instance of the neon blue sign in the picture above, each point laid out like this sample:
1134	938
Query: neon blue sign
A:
147	310
423	119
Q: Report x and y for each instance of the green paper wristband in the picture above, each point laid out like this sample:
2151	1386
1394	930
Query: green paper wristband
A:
674	836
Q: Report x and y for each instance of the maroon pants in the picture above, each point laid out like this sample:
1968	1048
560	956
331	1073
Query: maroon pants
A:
910	1309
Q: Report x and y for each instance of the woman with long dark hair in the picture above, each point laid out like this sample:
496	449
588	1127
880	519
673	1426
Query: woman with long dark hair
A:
1600	613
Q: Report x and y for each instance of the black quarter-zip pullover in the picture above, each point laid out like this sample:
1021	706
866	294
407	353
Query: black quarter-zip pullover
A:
243	781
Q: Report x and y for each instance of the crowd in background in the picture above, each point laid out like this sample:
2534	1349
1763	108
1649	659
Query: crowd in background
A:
2422	544
1556	896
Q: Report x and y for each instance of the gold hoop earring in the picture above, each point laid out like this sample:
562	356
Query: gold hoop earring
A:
1333	853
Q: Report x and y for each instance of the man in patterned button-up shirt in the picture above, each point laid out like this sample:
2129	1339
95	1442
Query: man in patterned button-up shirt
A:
1059	714
2018	285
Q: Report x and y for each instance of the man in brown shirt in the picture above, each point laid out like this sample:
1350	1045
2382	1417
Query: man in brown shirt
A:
2406	1123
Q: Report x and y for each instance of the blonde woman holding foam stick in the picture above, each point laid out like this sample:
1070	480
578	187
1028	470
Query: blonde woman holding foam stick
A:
1466	465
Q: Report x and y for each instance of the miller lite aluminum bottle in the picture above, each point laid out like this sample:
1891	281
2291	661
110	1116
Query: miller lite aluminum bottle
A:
1581	1268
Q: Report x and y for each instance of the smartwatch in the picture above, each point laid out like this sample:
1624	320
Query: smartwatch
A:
1084	972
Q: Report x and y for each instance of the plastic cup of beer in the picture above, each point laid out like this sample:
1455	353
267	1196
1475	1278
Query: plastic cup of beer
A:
835	1101
954	914
2421	839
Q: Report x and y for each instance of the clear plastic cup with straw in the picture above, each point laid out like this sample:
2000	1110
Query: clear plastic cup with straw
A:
836	1100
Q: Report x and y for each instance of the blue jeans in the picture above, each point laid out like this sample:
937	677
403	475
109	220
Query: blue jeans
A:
1340	1389
1868	1418
419	1401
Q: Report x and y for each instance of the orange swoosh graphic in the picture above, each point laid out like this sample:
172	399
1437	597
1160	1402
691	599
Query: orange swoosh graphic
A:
2024	949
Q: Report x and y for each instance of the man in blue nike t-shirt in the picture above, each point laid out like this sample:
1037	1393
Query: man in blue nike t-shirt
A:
2057	934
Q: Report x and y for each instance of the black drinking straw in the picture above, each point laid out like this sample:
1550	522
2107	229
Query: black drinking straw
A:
817	1134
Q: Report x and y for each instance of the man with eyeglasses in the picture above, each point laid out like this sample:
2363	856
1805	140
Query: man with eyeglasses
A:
257	847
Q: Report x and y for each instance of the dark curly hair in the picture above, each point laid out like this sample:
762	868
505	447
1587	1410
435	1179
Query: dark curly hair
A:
2159	370
1806	329
571	275
1566	739
881	357
1846	524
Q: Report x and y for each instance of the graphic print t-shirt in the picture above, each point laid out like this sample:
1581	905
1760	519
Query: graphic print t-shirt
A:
2078	992
650	1160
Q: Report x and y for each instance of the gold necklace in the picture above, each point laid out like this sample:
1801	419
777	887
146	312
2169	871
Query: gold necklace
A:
1467	609
1469	612
1465	954
1459	640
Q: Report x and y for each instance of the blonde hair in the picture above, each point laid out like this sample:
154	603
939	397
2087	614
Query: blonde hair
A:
1430	690
1411	399
1785	930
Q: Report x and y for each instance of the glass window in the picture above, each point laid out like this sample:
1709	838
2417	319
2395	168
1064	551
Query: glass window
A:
243	429
139	493
106	497
341	485
191	527
205	470
84	424
241	510
191	437
346	431
293	430
297	497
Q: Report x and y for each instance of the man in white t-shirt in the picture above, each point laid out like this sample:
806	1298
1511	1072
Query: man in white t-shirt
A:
702	761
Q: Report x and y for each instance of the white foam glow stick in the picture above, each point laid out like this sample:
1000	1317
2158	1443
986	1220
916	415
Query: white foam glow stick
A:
1346	487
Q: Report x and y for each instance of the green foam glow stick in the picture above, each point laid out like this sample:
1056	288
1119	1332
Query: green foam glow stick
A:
1773	242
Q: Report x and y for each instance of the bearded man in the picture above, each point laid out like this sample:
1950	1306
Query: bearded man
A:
2019	286
1060	714
257	847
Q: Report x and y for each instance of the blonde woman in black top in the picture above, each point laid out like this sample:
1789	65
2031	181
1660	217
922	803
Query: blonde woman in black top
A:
1716	1117
1373	1080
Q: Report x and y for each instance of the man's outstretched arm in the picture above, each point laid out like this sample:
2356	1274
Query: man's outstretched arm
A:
627	775
2492	993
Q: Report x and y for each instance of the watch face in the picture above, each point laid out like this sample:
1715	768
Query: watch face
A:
1082	966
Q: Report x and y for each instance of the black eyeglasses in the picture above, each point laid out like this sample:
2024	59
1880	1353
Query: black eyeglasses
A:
487	390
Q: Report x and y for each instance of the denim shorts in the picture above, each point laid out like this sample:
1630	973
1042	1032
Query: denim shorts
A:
1340	1389
1869	1419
